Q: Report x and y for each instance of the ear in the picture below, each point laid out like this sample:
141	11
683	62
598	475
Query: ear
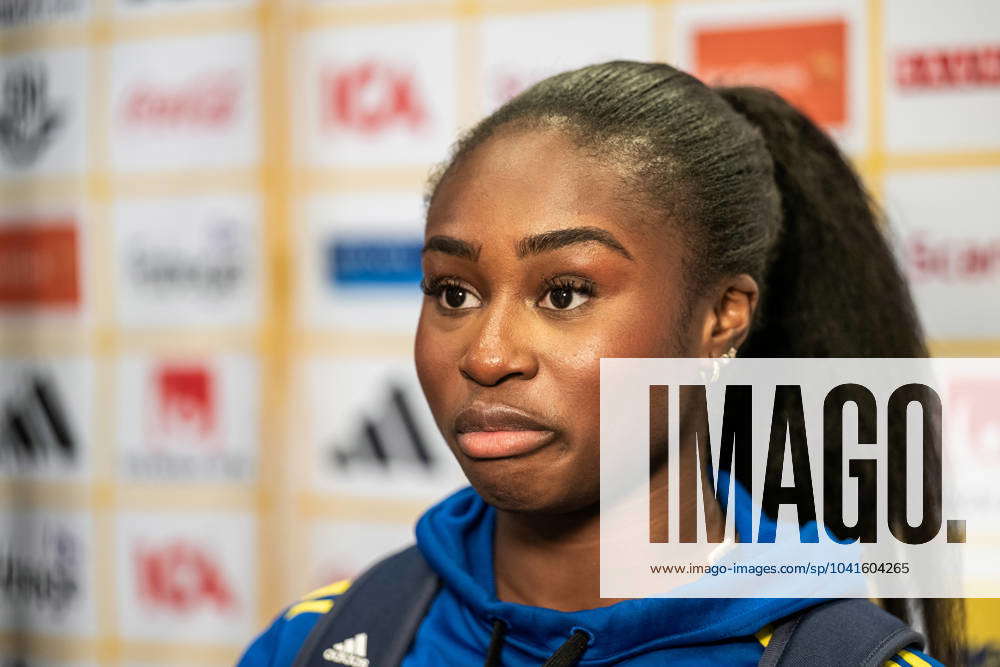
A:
729	312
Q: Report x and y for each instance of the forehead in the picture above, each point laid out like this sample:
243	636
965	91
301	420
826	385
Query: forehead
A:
522	182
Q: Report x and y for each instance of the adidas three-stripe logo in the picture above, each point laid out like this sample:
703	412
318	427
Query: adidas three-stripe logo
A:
352	652
392	435
35	426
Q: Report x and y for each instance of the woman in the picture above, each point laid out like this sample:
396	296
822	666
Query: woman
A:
619	210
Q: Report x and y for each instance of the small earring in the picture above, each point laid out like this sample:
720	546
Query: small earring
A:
722	360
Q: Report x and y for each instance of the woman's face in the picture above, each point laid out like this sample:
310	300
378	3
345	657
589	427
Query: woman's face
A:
537	266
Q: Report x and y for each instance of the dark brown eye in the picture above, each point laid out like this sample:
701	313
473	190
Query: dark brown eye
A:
566	295
451	295
561	298
455	295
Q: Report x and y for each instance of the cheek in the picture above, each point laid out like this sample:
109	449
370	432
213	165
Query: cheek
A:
434	366
423	358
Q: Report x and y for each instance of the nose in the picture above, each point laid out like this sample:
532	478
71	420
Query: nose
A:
500	347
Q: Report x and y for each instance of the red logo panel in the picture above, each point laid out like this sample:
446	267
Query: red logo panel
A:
39	265
370	97
207	101
185	401
182	578
953	260
962	67
804	62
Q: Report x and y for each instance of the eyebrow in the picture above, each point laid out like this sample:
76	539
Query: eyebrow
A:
530	245
560	238
449	245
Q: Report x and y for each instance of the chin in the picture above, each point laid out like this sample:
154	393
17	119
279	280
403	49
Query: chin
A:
513	486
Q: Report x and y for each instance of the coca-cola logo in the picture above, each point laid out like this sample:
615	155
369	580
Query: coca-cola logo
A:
206	101
182	577
947	68
952	260
370	97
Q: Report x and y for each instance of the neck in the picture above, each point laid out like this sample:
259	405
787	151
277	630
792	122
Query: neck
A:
553	560
550	561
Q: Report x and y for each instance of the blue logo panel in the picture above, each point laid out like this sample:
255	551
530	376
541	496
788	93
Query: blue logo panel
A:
373	262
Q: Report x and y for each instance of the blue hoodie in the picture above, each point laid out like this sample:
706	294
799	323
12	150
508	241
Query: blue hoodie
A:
456	538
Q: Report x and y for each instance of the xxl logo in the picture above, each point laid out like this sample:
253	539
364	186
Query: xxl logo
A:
182	577
962	67
208	101
185	405
28	121
38	265
35	426
391	436
43	581
217	269
371	97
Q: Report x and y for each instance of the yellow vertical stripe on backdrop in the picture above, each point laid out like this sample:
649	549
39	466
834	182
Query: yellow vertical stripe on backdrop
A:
469	27
273	505
662	28
297	414
874	171
102	290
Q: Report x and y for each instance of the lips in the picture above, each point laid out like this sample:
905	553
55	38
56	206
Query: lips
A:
500	431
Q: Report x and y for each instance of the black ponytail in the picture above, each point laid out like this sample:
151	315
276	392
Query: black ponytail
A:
754	187
833	288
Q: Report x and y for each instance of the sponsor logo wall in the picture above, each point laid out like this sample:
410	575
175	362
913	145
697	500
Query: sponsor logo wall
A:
210	232
954	268
185	102
43	113
132	8
942	73
550	42
186	577
188	419
371	431
26	13
194	261
42	265
377	95
361	252
47	408
46	573
812	52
